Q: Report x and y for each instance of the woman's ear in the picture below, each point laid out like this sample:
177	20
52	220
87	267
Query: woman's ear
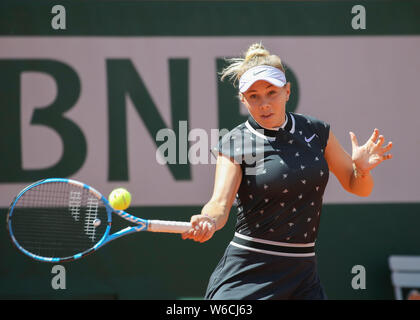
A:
287	87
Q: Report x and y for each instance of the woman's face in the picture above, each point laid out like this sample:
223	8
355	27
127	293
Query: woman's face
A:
267	103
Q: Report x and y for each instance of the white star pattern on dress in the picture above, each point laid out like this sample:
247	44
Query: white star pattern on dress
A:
304	169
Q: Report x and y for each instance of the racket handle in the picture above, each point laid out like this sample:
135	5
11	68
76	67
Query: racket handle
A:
168	226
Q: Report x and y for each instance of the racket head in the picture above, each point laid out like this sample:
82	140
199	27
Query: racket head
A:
56	220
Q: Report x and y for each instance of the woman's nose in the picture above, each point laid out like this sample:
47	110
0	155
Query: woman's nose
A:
264	105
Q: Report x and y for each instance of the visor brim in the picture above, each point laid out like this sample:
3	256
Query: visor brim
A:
271	80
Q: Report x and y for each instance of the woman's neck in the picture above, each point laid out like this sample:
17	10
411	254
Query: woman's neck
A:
275	128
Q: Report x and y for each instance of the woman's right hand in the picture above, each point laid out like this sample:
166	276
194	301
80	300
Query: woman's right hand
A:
202	228
227	180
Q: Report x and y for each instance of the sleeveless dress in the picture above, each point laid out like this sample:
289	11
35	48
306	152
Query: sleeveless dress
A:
279	204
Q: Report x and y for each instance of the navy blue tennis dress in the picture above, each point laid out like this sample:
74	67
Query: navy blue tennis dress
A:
279	202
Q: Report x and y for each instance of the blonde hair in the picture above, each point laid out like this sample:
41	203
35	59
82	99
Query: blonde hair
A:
256	55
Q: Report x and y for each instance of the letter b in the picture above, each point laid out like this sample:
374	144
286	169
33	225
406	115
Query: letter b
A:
52	116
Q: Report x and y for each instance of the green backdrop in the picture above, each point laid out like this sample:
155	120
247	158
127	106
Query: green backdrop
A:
156	266
163	266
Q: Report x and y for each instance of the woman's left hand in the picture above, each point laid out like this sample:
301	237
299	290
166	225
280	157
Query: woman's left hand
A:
371	154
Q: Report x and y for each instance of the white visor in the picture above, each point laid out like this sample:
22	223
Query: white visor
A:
267	73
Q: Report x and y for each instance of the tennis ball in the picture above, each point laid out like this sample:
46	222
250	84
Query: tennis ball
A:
120	199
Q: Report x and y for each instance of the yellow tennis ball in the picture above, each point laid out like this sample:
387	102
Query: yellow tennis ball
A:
120	199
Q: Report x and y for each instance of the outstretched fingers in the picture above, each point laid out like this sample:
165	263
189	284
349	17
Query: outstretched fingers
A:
353	139
385	150
380	142
378	145
374	135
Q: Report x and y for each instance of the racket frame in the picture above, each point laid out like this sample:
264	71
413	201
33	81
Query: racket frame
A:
141	224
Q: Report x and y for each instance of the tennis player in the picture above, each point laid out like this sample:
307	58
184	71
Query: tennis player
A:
272	254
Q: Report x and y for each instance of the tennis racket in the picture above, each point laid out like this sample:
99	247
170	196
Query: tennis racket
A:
59	220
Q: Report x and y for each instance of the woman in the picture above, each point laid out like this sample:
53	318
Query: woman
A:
279	194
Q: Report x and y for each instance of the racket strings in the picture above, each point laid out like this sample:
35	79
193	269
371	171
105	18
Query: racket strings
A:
57	219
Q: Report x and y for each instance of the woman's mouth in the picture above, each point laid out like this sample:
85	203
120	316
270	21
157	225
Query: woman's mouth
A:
267	116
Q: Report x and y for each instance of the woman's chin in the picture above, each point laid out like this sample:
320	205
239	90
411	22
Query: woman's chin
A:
269	121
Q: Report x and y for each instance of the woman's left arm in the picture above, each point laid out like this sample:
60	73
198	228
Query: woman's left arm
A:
353	172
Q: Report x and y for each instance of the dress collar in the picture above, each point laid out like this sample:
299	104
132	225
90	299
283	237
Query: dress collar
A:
289	126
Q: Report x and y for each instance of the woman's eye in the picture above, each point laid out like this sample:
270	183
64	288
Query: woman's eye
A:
271	92
252	96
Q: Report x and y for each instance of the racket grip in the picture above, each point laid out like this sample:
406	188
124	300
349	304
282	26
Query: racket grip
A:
168	226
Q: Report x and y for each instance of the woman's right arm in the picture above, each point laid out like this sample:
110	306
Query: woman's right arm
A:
215	213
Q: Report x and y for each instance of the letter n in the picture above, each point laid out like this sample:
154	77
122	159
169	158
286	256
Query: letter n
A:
123	81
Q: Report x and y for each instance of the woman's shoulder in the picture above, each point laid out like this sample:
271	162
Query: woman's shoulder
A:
308	118
231	142
235	132
311	121
314	124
